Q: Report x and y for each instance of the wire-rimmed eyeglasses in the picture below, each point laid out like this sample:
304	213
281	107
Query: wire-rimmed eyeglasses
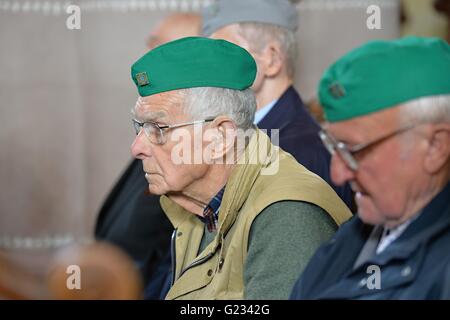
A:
348	153
155	132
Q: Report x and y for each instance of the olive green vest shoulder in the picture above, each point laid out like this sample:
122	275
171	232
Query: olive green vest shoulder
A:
217	271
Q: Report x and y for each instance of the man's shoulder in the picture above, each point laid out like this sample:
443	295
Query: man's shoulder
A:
285	177
288	212
283	237
285	172
294	182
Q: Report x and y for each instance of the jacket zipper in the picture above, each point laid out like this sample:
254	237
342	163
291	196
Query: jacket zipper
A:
172	254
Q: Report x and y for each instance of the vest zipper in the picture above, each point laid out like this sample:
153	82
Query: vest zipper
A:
200	261
196	263
172	254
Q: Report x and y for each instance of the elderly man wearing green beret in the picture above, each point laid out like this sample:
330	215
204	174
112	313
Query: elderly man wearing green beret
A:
388	109
247	216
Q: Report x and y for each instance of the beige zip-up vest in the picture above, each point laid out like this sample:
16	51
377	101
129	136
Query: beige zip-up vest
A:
217	272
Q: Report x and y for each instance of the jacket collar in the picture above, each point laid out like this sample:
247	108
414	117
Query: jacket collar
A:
408	251
287	108
434	218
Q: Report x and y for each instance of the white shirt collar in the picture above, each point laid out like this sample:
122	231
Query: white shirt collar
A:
261	113
389	235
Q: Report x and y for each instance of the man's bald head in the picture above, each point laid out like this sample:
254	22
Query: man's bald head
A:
173	27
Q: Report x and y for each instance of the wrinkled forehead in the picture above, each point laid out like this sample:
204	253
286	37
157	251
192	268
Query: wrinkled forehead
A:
160	106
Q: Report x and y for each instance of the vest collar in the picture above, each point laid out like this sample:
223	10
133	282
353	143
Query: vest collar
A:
259	154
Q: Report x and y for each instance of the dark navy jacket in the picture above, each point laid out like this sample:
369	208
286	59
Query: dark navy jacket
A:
414	266
133	219
298	135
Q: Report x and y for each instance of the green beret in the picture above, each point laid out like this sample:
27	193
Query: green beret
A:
383	74
193	62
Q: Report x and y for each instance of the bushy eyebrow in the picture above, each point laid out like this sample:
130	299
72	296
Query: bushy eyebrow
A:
154	116
149	115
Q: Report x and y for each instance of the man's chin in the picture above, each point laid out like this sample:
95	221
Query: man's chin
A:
369	215
368	218
367	211
154	190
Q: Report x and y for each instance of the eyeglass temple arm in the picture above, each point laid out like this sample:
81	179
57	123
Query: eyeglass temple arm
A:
186	123
361	146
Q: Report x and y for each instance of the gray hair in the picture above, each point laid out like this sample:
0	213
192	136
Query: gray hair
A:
210	102
258	34
431	109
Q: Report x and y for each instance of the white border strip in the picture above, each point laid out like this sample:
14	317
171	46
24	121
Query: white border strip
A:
124	6
333	5
121	6
47	242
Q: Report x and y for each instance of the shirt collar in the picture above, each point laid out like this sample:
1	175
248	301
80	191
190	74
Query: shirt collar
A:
389	235
211	211
261	113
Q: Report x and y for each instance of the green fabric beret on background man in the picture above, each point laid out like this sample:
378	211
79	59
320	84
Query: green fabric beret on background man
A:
382	74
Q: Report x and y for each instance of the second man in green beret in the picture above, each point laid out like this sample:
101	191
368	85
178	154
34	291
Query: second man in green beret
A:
388	109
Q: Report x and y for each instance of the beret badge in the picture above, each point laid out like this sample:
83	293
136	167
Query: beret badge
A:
142	79
336	90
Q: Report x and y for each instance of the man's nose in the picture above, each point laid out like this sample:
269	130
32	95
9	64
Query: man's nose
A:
340	172
141	146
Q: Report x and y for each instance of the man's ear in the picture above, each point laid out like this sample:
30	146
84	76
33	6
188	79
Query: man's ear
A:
223	138
273	58
438	153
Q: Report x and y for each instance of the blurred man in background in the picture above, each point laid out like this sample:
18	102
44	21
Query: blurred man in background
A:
131	217
174	26
266	28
